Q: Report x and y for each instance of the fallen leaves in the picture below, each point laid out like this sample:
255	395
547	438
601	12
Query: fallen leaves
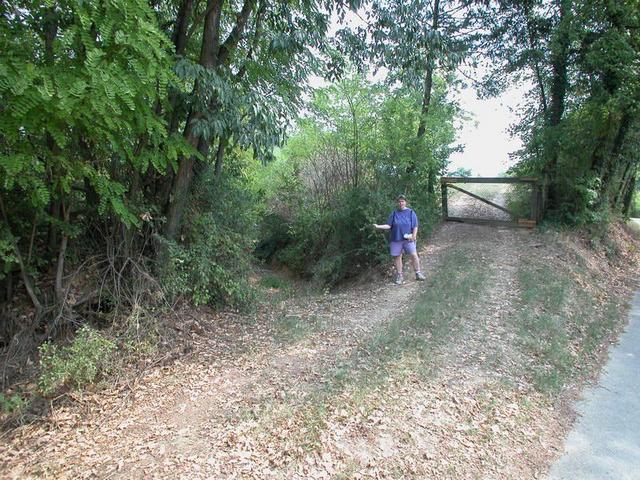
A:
248	404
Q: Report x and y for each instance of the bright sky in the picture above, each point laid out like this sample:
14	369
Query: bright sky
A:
485	135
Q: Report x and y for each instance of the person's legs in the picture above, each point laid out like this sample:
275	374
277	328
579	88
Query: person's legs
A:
415	261
397	260
410	248
396	252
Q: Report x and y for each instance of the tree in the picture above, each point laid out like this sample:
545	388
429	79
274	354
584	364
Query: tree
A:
78	82
246	81
413	41
580	55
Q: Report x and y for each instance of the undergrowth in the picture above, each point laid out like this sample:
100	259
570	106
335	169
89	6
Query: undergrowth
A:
561	324
77	364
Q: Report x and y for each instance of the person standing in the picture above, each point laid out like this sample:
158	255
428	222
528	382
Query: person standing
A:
403	223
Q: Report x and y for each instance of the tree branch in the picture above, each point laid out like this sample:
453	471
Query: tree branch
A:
234	37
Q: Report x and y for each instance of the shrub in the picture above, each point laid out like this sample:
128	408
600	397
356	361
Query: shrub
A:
333	243
76	365
635	205
211	269
11	403
211	265
519	201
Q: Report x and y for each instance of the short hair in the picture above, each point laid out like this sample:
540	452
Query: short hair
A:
401	197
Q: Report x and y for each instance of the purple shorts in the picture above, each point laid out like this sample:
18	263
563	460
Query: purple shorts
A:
397	247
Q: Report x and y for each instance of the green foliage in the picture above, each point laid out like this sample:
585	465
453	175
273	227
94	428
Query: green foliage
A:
340	173
580	124
87	95
275	282
460	172
210	269
635	205
7	252
76	365
408	38
11	403
212	263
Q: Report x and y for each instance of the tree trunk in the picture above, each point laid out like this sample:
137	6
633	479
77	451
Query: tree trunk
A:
59	288
559	84
180	42
559	53
611	163
212	55
428	78
9	287
23	270
533	45
626	183
182	26
628	196
426	98
220	156
184	176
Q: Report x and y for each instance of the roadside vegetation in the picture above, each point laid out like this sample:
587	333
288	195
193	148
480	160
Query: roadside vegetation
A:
568	312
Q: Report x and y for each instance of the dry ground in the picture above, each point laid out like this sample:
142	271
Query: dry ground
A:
307	389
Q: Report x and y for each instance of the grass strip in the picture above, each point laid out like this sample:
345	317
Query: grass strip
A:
561	324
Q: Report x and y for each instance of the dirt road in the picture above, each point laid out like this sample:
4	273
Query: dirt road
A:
337	385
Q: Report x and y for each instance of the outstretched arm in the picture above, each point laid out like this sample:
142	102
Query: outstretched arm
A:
382	227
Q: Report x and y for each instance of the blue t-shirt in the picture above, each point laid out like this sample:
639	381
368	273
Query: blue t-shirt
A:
402	221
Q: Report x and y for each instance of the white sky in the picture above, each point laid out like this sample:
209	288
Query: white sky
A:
485	135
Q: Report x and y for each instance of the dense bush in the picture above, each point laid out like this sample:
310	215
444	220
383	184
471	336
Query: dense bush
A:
211	263
77	364
341	173
210	269
635	205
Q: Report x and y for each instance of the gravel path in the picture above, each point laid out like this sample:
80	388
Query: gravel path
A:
462	205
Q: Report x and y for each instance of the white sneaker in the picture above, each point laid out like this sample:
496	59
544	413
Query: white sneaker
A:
399	279
420	276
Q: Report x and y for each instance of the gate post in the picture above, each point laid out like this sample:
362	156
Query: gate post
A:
445	207
535	202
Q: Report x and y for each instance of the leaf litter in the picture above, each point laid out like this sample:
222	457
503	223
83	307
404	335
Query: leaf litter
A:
255	401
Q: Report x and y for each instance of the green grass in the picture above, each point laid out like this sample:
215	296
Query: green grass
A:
405	346
436	315
294	328
275	282
560	325
12	403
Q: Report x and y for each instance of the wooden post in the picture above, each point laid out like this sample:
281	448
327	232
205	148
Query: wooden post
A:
445	207
535	205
